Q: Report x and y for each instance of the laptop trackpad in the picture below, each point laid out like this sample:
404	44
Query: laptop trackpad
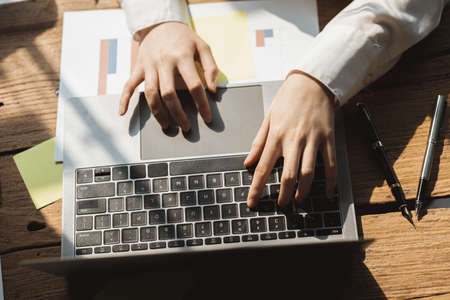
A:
237	115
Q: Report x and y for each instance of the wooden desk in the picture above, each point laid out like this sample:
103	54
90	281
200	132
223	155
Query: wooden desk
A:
402	263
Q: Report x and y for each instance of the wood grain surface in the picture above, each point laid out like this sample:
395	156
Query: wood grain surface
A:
402	263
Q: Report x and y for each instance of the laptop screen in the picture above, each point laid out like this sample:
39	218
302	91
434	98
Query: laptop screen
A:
237	115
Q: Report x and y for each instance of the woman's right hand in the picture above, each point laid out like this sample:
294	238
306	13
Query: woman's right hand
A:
166	50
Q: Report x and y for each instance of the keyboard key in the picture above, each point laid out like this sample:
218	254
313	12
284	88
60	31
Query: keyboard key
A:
96	190
184	231
294	221
286	235
266	208
250	238
84	251
211	212
196	182
272	176
139	247
313	220
332	219
84	176
111	236
157	245
277	224
258	225
231	239
213	241
229	211
214	180
324	204
176	244
121	248
223	196
247	178
305	233
84	223
178	183
166	232
102	174
102	249
193	214
221	227
175	215
148	234
265	194
103	222
232	179
274	191
268	236
239	226
115	204
203	229
160	185
157	217
241	194
129	235
330	231
304	206
246	211
170	200
195	242
138	171
158	170
207	165
139	218
120	173
152	201
94	206
206	197
142	186
187	199
120	220
124	188
134	202
92	238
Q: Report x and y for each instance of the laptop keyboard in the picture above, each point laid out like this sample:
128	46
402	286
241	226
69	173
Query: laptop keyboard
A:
191	203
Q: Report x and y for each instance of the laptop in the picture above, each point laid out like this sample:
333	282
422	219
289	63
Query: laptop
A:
133	193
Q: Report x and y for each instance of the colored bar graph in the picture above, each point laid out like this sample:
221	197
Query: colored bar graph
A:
103	68
112	56
259	38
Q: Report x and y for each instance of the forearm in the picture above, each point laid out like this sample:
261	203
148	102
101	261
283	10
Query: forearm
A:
365	40
142	14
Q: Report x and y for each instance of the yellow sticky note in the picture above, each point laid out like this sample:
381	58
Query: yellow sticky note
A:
42	176
228	35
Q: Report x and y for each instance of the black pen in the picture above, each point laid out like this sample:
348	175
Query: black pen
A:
378	148
438	117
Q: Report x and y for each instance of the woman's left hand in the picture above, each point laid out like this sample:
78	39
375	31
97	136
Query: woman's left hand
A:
299	124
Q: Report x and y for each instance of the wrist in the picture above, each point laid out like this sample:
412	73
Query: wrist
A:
324	89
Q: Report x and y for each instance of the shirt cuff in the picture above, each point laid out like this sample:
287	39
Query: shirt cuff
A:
344	60
142	14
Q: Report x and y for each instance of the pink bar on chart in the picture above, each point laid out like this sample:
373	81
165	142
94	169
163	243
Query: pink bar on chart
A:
103	68
259	38
134	54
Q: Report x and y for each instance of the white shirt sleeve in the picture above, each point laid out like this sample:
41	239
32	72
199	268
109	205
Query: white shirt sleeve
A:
365	40
141	14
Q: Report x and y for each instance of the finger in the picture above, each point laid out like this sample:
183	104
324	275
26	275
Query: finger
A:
170	98
151	92
194	84
208	64
289	175
306	175
329	161
135	79
265	165
258	143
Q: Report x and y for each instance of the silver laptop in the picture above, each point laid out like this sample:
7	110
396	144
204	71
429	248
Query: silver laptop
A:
132	189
